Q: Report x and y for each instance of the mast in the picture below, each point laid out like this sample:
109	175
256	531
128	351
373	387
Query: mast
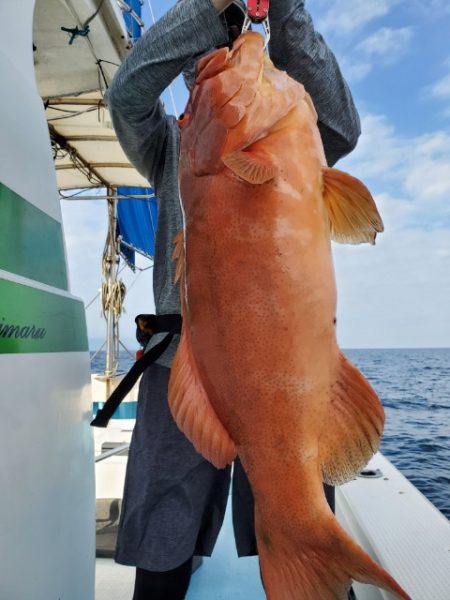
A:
113	290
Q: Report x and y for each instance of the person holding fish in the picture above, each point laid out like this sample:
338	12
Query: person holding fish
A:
174	499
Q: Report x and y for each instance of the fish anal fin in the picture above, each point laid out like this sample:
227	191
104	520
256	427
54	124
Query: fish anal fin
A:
353	215
193	412
253	164
352	431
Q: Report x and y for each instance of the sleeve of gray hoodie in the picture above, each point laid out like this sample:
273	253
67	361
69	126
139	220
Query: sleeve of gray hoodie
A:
193	26
295	47
140	122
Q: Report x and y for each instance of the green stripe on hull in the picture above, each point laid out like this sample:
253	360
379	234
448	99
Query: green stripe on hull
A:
31	242
32	320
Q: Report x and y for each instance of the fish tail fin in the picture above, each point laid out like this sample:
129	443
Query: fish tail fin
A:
321	562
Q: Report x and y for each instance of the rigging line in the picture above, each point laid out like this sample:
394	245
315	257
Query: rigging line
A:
126	8
134	280
151	221
102	94
146	268
63	110
66	197
102	60
94	15
135	249
75	114
172	97
133	356
68	4
99	350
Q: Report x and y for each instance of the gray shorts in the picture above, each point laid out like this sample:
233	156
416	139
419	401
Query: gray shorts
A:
174	500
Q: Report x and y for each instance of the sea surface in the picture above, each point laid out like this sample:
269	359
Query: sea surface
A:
414	387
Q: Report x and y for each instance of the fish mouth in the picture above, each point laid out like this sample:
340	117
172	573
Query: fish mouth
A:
247	49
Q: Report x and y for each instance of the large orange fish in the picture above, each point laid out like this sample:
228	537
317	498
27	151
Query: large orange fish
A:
258	371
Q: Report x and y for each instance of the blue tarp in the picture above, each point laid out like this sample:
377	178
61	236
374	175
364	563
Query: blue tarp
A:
136	223
132	25
136	219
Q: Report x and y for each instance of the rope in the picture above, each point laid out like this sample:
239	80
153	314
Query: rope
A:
113	296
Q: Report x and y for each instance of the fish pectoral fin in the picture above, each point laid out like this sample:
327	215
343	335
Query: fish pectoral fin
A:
354	217
193	412
351	434
253	164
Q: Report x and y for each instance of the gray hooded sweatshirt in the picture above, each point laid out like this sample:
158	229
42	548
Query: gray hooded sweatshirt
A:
151	138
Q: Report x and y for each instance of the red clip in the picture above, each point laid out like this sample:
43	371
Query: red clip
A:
258	10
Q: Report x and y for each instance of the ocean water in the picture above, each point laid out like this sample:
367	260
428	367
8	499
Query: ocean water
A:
414	387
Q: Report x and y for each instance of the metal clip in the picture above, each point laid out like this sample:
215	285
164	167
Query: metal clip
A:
258	13
258	10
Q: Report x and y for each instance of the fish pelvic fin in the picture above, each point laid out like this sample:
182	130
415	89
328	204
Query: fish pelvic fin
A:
354	218
315	559
188	400
352	431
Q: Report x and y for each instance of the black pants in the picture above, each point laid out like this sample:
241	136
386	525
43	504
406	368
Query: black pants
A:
166	585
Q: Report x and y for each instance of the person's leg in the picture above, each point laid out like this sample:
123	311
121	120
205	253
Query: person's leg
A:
163	585
243	514
243	511
174	500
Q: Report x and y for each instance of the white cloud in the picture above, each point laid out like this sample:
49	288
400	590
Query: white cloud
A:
387	43
347	16
384	47
431	8
396	294
441	89
417	168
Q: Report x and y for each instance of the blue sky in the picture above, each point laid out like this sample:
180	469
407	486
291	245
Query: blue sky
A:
395	55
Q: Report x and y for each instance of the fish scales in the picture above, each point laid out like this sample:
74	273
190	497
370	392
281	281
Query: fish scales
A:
258	371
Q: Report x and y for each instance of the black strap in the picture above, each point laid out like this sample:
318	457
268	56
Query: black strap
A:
103	415
161	323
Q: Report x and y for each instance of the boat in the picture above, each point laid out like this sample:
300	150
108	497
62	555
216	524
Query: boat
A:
56	58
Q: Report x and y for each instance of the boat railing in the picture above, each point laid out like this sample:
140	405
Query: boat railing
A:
117	450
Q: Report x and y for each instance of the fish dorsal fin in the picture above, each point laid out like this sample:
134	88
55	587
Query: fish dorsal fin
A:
253	164
188	400
354	217
353	428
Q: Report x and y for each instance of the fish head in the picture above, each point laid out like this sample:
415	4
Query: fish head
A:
239	99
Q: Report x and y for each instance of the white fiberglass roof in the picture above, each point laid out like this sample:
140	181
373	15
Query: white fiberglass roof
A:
71	79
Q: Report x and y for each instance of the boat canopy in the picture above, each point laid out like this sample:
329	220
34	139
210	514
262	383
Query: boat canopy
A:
73	70
78	46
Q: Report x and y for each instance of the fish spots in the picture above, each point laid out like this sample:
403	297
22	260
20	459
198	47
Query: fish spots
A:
334	321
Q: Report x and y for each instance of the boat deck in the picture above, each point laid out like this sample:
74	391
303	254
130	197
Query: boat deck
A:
385	514
221	577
